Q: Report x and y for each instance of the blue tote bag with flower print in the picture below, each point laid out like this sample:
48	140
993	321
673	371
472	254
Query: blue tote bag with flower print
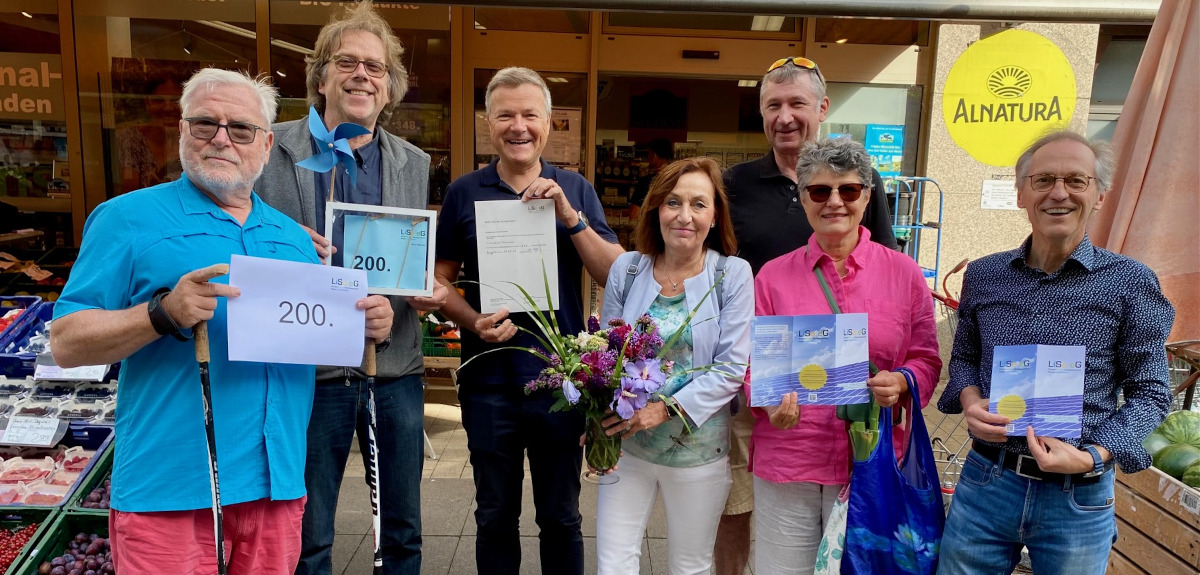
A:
895	517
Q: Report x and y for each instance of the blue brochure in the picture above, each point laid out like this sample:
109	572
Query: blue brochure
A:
822	357
1039	385
393	251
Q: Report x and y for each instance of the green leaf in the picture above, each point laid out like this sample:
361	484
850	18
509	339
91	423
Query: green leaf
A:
518	348
561	404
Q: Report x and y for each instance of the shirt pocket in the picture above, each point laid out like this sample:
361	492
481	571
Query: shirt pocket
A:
889	325
271	242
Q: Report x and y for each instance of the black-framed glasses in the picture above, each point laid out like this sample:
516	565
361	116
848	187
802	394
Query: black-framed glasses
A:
1074	183
349	64
206	129
820	193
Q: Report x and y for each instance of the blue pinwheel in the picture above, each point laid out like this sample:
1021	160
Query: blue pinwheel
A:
334	147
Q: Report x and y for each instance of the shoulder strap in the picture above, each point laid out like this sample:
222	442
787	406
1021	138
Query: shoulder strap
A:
631	272
720	275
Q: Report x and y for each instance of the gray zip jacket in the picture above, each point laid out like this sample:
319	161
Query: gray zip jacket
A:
405	171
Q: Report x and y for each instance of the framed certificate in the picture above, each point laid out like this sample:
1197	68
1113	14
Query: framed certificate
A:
395	246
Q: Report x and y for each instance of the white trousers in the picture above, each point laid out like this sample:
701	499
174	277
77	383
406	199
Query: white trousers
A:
694	498
789	519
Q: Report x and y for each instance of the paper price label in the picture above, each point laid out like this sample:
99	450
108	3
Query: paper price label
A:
295	313
51	372
24	430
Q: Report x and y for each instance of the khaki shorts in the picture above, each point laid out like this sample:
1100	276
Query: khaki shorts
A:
741	494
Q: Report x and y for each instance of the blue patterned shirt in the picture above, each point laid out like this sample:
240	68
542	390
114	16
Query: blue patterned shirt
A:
1107	302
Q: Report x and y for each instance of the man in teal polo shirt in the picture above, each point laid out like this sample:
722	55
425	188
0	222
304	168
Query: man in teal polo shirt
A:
143	275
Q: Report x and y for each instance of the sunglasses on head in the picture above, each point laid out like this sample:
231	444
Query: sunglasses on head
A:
799	61
820	193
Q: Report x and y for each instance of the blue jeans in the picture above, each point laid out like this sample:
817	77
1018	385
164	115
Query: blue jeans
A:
1068	528
340	409
503	425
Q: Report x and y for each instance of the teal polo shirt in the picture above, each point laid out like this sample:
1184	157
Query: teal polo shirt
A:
135	244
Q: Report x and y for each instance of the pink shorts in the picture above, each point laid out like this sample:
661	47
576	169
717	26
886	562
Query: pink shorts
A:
261	537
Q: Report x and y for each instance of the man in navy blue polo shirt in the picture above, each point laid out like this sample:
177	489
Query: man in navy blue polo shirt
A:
503	423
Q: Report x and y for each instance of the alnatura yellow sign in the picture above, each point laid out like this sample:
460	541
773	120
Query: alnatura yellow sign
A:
1004	92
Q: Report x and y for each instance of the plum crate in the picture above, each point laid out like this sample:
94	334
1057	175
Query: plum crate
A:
53	542
101	470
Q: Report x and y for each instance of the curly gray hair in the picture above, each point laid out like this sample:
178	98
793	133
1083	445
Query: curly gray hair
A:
839	155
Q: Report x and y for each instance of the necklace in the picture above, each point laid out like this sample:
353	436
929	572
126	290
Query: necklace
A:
675	284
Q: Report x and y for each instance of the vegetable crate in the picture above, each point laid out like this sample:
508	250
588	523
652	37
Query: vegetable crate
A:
440	346
19	518
101	470
1158	525
54	541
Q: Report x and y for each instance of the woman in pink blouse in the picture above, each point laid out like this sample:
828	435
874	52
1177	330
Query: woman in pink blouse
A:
801	458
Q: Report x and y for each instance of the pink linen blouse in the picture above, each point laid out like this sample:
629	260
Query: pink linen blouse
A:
889	288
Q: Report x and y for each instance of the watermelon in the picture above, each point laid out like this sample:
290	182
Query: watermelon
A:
1191	475
1155	442
1175	459
1181	427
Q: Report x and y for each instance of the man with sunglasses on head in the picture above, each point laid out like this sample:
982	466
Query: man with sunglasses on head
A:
356	75
769	222
1017	488
147	273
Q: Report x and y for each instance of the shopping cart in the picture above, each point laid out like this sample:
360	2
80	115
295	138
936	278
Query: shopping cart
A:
949	435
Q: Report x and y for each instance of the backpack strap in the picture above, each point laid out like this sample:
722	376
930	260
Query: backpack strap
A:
720	275
631	272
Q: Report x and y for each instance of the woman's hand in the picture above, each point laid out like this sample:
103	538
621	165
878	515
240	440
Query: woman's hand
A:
785	415
888	387
653	415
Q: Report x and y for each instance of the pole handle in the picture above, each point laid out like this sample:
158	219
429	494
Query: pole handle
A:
369	357
200	334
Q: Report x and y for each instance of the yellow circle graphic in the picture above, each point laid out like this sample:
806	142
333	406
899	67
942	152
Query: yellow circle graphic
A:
1011	406
813	377
1004	92
1009	82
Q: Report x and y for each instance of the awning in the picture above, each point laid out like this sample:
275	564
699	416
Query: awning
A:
1095	11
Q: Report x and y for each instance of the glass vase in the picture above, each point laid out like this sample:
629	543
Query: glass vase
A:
601	451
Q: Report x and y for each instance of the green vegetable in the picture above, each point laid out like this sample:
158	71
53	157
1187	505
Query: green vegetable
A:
1175	459
1155	442
1191	475
1181	427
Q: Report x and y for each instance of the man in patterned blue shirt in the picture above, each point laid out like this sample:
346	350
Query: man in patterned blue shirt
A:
1050	495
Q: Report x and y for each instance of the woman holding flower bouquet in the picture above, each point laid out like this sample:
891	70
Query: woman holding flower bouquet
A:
675	439
801	458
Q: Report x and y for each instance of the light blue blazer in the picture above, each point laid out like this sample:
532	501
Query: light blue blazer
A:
720	333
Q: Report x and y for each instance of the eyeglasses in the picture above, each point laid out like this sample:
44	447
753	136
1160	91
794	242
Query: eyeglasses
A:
798	61
1075	183
207	128
820	193
348	64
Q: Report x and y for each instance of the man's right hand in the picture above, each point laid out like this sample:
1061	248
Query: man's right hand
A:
495	328
194	299
982	423
322	245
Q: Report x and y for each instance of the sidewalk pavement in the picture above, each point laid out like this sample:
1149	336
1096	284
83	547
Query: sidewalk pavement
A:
448	505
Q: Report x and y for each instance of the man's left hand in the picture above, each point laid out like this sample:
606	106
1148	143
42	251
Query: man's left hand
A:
547	189
1057	456
431	303
379	316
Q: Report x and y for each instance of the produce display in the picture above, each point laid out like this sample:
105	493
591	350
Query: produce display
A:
12	542
98	498
1175	446
41	476
9	317
67	400
85	555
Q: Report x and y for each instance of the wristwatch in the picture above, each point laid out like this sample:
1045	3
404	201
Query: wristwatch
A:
581	225
672	407
162	321
1098	465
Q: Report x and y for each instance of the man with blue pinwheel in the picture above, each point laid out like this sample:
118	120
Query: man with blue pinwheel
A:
355	76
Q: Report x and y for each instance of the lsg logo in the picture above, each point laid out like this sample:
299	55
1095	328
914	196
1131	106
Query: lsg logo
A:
1066	364
818	333
1011	363
532	209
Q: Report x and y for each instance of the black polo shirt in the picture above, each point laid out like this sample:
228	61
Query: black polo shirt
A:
768	219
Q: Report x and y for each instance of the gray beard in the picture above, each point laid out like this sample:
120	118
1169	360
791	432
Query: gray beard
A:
226	191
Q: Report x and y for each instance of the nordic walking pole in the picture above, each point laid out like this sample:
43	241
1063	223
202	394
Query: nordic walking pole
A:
200	332
373	451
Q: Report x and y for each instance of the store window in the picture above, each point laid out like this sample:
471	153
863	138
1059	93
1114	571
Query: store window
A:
133	57
724	25
423	118
35	182
867	31
529	20
885	118
1118	52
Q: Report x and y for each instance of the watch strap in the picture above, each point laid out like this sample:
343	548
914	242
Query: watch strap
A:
578	227
1098	466
162	321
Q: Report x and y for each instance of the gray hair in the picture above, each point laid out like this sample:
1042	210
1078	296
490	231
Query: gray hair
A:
360	17
212	78
839	155
1100	149
789	74
513	77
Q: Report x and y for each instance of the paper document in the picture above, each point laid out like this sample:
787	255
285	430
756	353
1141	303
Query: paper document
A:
293	312
516	242
822	357
1039	385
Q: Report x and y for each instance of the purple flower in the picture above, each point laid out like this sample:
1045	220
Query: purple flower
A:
570	392
593	324
600	365
642	378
